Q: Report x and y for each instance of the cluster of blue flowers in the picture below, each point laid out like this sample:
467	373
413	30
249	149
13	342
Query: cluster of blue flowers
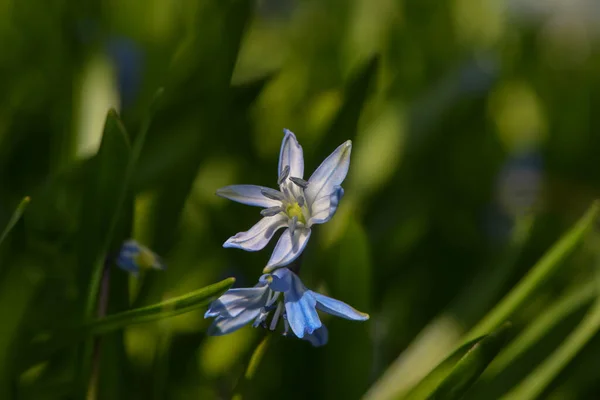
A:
279	297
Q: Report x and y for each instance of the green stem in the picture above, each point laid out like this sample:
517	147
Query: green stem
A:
253	363
15	217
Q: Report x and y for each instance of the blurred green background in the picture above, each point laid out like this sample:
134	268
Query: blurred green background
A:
475	130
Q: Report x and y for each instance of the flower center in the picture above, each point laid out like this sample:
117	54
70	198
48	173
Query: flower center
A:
294	210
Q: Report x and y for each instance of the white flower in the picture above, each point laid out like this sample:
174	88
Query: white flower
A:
297	205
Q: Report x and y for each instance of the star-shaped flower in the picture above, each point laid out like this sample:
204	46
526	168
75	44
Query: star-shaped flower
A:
298	308
296	206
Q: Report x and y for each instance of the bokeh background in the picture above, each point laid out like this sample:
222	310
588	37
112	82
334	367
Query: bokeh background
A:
475	130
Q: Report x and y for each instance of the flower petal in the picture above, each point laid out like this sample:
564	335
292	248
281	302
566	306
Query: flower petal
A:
330	174
338	308
288	248
257	237
300	306
291	154
319	337
324	208
247	194
223	325
235	301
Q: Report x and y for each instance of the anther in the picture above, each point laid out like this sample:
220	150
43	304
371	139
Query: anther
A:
271	211
292	225
272	194
284	174
300	182
301	201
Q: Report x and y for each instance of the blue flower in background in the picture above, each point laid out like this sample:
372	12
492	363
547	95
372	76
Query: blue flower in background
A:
297	205
134	257
128	58
298	308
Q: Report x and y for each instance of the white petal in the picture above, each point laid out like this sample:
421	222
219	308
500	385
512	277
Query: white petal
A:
259	235
223	326
233	302
291	154
324	208
338	308
247	194
288	248
330	174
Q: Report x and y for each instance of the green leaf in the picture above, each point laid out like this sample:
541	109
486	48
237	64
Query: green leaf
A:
468	369
433	379
15	217
165	309
539	274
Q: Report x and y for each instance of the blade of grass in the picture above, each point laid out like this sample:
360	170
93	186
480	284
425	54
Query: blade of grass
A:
540	272
165	309
468	369
15	218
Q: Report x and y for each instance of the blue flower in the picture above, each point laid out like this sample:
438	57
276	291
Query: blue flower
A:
296	206
298	308
134	257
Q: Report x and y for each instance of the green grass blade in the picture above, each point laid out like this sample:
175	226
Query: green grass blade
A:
535	384
439	373
165	309
468	369
540	272
15	218
538	328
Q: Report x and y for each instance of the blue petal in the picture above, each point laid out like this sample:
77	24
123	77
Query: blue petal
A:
248	194
291	154
288	248
300	308
257	237
281	280
223	326
319	338
338	308
236	301
330	174
324	208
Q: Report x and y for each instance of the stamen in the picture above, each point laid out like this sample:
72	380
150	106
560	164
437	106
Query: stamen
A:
286	325
292	225
284	174
272	194
301	201
271	211
300	182
276	316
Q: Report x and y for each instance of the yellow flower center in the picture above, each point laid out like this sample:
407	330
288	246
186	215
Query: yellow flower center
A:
294	210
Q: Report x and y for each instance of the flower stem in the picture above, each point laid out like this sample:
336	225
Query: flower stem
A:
253	363
102	306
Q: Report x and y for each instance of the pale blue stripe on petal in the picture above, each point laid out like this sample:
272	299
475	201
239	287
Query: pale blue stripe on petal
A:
300	308
324	208
338	308
257	237
288	248
235	301
247	194
291	154
331	173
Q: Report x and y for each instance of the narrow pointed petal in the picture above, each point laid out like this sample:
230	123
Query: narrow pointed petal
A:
324	208
338	308
222	326
257	237
319	338
235	301
330	174
248	194
288	248
300	307
291	154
